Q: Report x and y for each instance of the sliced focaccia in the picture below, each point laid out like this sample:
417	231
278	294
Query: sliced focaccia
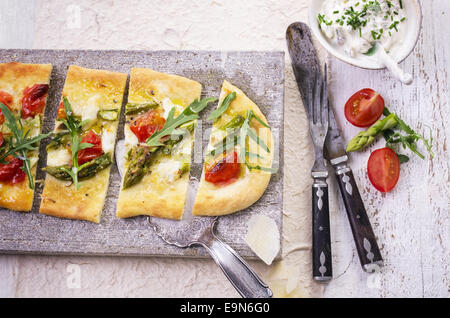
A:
24	90
239	157
87	116
156	178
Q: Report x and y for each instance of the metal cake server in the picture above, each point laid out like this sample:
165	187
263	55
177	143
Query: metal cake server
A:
305	62
194	231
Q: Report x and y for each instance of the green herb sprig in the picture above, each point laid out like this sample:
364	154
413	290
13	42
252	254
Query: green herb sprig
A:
223	107
239	137
19	143
395	131
74	127
188	114
408	140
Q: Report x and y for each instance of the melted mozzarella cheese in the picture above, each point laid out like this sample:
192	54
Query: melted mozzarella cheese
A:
108	140
167	105
130	138
184	147
89	112
216	136
169	170
58	157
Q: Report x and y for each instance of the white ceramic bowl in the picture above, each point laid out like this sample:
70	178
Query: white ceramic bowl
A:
414	23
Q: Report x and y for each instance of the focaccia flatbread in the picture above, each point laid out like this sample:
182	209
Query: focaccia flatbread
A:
15	78
162	190
90	92
224	198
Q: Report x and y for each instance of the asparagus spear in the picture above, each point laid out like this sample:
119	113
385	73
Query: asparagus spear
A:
140	160
386	127
365	138
87	170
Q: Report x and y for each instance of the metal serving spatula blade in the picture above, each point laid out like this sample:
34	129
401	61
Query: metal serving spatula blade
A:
194	231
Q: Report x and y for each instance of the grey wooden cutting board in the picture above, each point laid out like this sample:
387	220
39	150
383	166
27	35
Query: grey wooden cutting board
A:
259	74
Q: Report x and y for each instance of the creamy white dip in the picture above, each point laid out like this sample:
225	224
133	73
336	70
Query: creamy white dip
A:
356	25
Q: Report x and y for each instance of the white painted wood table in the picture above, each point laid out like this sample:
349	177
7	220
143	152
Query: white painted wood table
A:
411	222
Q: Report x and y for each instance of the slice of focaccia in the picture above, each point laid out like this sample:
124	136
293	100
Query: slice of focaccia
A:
90	106
239	157
156	178
24	90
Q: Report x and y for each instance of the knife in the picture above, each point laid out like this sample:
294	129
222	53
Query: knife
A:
317	108
305	63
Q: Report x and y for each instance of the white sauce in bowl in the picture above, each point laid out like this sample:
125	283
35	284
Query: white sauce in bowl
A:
357	25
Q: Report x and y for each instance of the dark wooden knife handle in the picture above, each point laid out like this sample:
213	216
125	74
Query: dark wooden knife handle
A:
366	243
321	248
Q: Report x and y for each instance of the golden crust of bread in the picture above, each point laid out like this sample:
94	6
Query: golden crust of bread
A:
144	82
213	200
17	197
153	196
59	198
14	78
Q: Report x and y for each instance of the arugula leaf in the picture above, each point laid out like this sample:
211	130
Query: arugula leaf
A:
271	170
402	158
410	139
223	107
239	137
20	143
74	127
188	114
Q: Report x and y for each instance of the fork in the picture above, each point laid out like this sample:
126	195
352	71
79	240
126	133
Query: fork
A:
318	126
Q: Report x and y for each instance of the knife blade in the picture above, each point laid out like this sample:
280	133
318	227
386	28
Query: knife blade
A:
315	99
305	63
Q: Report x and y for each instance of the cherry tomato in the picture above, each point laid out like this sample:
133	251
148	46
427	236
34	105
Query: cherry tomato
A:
61	113
88	154
383	169
147	124
7	100
11	172
224	170
364	108
33	100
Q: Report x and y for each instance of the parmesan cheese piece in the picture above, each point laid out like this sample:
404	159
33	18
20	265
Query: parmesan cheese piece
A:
58	157
263	237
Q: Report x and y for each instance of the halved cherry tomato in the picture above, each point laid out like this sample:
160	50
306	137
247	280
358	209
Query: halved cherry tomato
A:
383	169
11	172
61	113
7	100
33	100
147	124
364	108
224	170
88	154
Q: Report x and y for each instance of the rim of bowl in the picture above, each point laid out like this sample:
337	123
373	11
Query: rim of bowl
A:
348	59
